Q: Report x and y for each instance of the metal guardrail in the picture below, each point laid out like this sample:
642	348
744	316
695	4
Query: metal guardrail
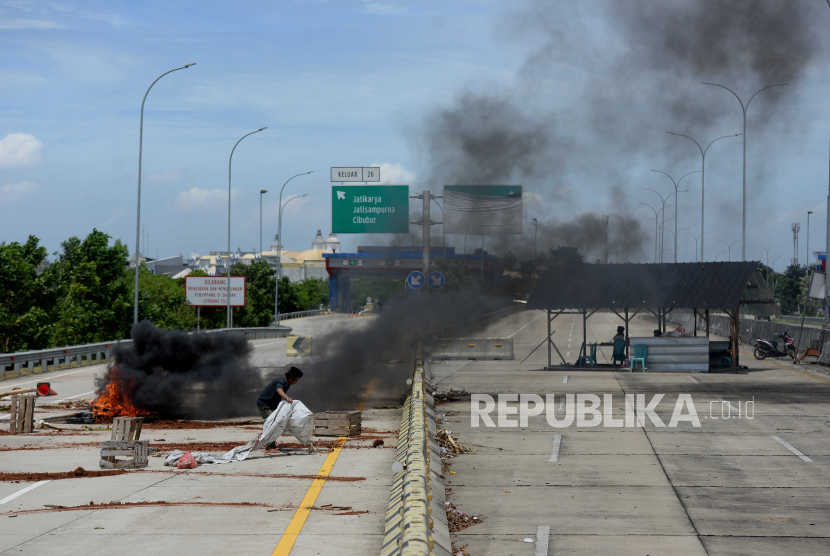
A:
299	314
87	354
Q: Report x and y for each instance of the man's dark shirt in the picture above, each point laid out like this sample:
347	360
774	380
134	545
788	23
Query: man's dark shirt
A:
269	397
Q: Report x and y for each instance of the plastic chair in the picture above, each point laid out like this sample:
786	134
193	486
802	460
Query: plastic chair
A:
725	359
640	353
591	360
619	352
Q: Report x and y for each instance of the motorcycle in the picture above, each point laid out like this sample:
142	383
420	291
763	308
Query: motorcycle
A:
767	348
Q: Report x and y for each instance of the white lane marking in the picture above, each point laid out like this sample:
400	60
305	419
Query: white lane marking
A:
542	536
788	447
554	453
565	379
11	497
693	380
76	396
731	407
51	376
562	403
568	354
268	344
525	326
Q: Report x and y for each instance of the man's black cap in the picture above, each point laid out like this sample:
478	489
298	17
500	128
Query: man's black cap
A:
294	372
621	329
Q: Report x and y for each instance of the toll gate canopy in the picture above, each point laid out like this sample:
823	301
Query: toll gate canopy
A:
628	289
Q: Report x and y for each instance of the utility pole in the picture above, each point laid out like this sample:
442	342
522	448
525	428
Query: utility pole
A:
426	223
809	212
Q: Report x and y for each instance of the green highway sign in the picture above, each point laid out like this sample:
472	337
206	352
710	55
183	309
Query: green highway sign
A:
370	209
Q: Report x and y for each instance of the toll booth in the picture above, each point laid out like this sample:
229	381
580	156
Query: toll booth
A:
396	263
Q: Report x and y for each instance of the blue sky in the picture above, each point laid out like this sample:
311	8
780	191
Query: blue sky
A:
337	83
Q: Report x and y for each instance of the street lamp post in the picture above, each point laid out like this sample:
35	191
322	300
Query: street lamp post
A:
729	246
701	243
656	228
703	180
767	250
744	108
261	192
718	255
279	251
230	160
535	233
662	226
676	202
138	203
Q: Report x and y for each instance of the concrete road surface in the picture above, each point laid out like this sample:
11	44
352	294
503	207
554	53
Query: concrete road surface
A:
736	485
245	507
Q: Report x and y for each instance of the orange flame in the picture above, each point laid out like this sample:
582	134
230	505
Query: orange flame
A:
116	399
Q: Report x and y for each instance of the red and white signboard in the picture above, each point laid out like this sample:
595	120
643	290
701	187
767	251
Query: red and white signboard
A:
212	291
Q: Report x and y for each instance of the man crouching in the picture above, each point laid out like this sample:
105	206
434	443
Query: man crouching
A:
275	393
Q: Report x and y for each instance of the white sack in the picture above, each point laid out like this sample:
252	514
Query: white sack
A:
294	419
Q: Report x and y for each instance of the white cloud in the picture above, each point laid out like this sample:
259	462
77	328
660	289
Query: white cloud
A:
114	217
203	199
28	24
172	176
14	191
20	150
395	174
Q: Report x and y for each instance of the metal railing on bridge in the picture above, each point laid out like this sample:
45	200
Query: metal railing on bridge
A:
101	352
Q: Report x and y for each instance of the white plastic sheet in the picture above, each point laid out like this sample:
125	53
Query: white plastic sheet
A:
294	419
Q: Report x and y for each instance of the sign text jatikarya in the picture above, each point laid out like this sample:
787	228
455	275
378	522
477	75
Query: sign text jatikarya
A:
212	291
370	209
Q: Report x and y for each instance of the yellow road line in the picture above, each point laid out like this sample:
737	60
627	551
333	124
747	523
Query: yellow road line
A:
797	371
296	524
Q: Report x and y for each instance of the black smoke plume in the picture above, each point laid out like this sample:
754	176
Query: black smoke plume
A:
381	348
176	374
623	72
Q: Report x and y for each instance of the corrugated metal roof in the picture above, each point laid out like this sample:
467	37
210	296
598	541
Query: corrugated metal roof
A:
669	286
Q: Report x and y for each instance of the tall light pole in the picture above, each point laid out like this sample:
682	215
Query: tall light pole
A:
279	251
767	250
656	228
701	244
744	108
729	246
827	248
662	226
703	180
261	192
230	160
718	255
676	202
138	203
809	212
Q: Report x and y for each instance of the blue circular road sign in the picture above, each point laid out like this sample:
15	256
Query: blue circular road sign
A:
415	280
436	280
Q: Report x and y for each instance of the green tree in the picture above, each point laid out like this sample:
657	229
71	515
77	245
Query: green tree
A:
24	299
311	293
162	300
93	299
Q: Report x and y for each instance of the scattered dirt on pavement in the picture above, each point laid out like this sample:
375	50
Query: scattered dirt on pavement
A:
126	505
354	512
79	473
458	520
180	424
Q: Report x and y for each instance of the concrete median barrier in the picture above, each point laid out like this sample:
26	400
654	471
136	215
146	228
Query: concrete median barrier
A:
472	348
298	346
416	516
